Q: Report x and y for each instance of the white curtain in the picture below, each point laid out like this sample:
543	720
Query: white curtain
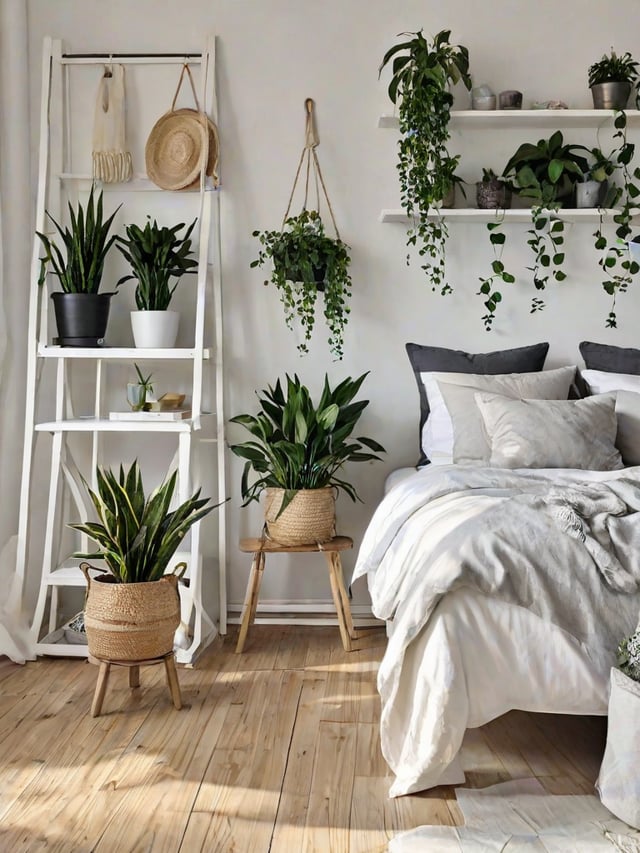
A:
16	232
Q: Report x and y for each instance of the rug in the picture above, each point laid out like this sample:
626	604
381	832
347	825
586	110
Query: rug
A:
520	817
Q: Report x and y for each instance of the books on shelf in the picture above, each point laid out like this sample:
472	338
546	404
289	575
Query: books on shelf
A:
167	415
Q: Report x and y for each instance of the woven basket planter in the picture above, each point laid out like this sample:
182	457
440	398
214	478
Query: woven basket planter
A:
131	621
309	518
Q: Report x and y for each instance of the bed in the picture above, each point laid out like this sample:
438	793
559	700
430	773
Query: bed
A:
504	585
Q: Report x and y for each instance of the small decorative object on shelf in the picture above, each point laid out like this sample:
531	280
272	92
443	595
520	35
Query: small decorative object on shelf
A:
137	392
483	98
298	450
306	261
81	312
492	192
612	79
510	99
156	254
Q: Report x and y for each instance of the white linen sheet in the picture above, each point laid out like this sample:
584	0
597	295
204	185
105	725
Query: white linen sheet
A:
474	659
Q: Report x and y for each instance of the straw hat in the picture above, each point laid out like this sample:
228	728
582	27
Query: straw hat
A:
175	149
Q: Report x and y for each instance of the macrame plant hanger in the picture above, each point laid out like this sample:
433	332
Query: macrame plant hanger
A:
309	160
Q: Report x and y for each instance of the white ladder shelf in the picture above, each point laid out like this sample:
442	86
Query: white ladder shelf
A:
196	435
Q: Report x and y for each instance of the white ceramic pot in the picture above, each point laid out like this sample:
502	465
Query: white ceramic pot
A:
588	193
155	329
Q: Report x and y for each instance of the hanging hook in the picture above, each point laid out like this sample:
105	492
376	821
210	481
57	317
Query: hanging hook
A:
108	69
312	136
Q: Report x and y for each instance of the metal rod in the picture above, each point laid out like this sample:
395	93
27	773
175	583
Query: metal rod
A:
131	55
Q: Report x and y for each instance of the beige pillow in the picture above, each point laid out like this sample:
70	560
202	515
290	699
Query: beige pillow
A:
470	446
551	433
628	414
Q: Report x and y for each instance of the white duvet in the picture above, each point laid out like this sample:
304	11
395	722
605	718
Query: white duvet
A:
464	648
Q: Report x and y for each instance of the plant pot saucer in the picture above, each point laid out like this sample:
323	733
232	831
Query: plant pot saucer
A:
78	342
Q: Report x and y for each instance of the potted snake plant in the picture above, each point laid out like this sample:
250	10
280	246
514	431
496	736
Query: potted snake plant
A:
158	257
132	609
81	312
297	452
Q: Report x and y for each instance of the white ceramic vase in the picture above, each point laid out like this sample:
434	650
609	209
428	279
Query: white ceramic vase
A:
155	329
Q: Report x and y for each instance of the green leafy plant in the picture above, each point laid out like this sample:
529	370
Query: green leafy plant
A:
156	255
423	72
137	393
86	243
547	173
499	273
298	445
617	266
628	656
614	69
305	262
138	535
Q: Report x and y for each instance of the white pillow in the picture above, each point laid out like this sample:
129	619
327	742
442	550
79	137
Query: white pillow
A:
438	430
626	387
551	433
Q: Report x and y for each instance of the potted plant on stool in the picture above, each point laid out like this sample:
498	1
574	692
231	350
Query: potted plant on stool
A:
298	449
156	255
132	610
81	312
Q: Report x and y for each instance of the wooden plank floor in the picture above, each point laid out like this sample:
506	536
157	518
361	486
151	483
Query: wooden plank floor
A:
276	749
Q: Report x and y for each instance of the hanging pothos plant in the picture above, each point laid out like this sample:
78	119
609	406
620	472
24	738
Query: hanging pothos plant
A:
494	193
422	75
547	173
618	266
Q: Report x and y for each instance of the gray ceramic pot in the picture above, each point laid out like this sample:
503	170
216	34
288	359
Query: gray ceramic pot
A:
610	96
491	195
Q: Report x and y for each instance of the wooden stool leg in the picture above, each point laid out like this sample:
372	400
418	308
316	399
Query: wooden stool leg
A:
134	676
172	680
101	688
251	598
340	599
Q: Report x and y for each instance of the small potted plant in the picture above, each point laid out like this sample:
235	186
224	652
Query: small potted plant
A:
306	262
423	74
138	393
594	190
492	192
81	312
611	80
156	255
133	610
297	451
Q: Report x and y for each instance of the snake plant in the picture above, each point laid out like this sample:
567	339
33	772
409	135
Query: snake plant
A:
138	535
86	244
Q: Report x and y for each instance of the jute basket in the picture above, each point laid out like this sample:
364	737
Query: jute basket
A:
309	518
131	621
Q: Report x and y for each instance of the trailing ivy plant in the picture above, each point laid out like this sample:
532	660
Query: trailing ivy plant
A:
547	173
499	272
618	266
423	72
305	262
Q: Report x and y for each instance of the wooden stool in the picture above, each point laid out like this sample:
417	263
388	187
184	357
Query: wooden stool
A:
331	550
134	678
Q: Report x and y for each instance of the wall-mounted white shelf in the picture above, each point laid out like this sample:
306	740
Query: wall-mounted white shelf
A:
525	118
138	183
104	425
121	353
472	214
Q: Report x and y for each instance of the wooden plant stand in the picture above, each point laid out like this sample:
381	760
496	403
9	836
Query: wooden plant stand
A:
134	678
331	550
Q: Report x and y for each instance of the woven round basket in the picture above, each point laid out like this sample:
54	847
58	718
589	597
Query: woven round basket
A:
131	621
308	519
174	150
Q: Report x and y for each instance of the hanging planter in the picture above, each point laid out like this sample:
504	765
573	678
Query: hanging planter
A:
305	260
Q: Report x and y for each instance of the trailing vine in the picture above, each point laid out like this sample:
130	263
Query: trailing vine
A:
546	242
498	274
422	74
615	262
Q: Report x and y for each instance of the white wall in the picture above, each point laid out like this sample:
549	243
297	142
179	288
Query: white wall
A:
272	54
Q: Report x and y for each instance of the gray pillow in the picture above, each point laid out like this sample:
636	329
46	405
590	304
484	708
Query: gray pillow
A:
427	358
628	414
551	433
609	358
470	445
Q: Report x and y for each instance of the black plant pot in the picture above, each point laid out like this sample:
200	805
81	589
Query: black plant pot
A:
81	318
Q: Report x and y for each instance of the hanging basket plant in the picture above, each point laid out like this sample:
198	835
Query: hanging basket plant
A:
309	265
423	73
